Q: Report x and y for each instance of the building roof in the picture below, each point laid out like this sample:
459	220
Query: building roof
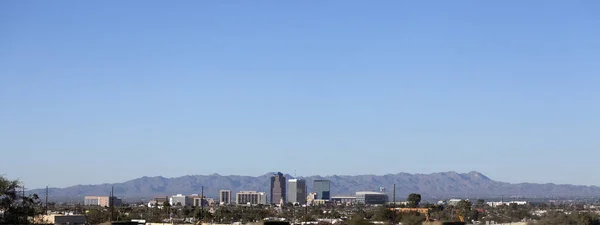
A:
250	192
369	193
343	197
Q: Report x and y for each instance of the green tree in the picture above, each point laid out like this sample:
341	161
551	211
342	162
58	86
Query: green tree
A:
307	218
17	208
412	219
167	208
97	216
383	213
413	200
480	203
358	220
464	208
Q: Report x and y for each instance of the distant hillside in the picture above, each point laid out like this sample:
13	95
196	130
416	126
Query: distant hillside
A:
431	186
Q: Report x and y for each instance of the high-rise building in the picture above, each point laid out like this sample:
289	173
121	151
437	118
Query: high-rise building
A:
250	197
278	191
225	197
323	189
296	191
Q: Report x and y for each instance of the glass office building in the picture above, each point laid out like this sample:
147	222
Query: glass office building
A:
323	189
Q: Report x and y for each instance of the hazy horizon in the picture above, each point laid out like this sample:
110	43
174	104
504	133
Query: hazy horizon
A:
105	91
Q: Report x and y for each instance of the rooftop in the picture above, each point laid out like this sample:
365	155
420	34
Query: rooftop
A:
369	193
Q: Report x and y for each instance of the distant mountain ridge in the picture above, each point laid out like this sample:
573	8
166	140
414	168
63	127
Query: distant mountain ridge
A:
430	186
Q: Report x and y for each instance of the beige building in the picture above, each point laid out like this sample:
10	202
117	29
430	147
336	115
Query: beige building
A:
205	201
319	202
103	201
225	197
311	197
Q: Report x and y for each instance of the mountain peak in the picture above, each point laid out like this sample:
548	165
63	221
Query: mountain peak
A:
478	175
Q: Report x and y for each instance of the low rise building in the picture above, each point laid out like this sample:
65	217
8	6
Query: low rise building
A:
320	202
161	199
496	204
453	201
211	201
399	203
202	201
371	198
61	219
311	197
347	200
181	200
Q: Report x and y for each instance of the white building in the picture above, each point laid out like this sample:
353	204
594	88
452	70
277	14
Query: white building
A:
250	197
311	197
347	200
180	200
496	204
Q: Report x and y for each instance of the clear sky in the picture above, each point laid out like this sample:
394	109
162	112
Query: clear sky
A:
107	91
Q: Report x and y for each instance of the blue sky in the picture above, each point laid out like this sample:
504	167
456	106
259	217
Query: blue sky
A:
106	91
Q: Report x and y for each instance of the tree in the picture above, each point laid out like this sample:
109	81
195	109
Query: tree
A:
480	203
167	207
464	208
307	218
358	220
413	200
385	214
413	219
17	208
97	216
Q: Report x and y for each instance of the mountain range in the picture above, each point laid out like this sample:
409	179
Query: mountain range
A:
430	186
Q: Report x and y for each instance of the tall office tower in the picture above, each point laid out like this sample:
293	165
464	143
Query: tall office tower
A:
296	191
278	188
225	197
323	189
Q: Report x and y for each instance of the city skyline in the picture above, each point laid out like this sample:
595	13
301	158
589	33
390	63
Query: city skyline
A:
472	183
269	174
506	88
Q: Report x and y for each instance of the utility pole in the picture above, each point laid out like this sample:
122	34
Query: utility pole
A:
46	205
23	204
111	203
394	194
306	212
201	204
